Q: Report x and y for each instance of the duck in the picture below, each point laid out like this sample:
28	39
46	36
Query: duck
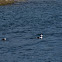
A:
41	36
4	39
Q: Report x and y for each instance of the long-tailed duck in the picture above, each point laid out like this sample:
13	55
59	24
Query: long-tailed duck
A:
4	39
41	36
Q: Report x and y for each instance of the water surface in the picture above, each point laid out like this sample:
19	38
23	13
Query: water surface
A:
21	23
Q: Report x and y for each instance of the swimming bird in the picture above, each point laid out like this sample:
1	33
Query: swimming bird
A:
4	39
41	36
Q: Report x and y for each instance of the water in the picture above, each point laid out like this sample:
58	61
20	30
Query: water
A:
21	23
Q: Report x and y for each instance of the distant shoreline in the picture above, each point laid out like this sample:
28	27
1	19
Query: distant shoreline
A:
6	2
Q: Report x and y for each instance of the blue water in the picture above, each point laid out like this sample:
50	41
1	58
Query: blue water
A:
22	22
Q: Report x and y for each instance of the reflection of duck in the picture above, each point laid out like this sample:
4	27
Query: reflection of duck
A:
4	39
41	36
